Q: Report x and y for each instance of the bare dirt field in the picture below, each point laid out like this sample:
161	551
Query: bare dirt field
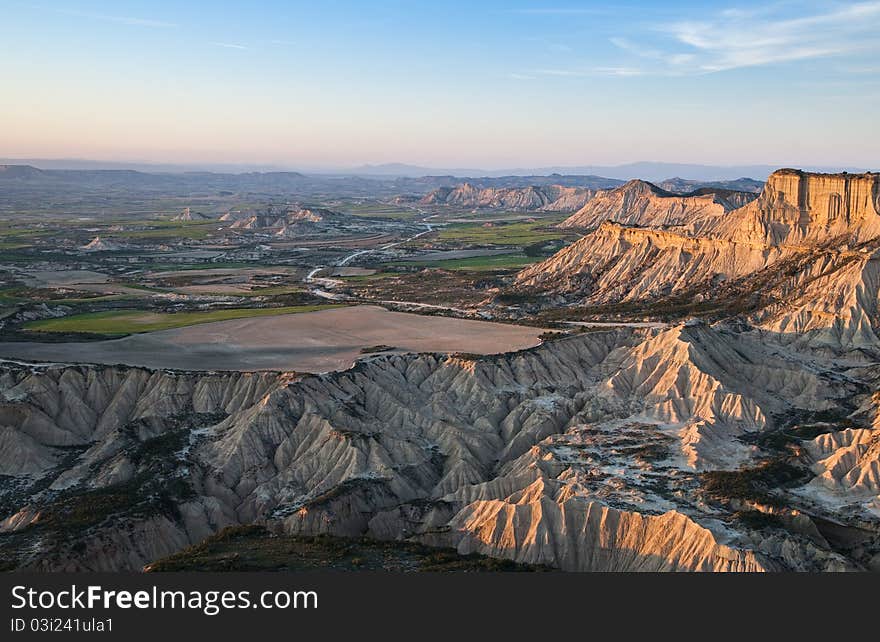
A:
62	278
310	342
81	280
336	242
351	271
222	272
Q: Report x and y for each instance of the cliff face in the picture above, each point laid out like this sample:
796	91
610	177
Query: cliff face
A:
642	204
798	207
801	260
823	199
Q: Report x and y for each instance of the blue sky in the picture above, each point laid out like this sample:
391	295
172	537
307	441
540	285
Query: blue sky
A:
486	84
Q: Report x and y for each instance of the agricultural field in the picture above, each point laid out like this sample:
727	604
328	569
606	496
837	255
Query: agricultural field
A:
377	210
154	230
512	261
520	233
122	322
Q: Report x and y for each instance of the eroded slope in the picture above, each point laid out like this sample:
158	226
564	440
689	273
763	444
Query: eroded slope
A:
585	453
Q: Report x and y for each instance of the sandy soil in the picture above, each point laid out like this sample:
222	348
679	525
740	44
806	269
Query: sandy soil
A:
309	342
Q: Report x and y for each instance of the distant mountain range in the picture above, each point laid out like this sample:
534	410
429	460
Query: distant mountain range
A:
649	171
28	184
174	168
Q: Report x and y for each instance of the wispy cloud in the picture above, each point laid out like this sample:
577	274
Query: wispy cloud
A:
737	38
640	50
229	45
620	71
562	11
126	20
670	62
589	72
561	72
552	46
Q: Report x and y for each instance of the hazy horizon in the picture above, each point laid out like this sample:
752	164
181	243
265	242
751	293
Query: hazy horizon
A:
725	171
489	86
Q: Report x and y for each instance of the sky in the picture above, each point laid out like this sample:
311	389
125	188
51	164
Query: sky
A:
486	84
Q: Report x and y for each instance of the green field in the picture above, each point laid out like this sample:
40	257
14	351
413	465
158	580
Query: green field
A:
378	210
18	237
494	262
168	229
521	233
120	322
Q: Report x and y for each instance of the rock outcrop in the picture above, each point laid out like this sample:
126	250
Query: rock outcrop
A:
641	204
537	525
801	260
685	186
847	465
617	263
98	244
280	218
798	207
188	215
555	198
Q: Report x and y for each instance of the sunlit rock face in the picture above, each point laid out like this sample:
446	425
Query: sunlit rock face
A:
641	204
618	263
801	207
801	260
537	526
